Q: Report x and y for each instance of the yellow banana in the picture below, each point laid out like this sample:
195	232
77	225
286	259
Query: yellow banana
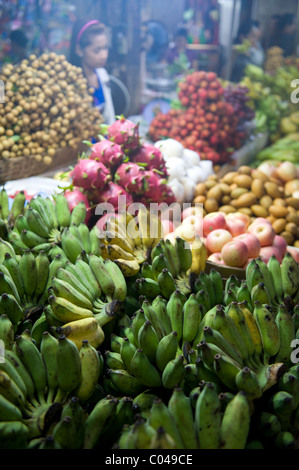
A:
84	329
199	256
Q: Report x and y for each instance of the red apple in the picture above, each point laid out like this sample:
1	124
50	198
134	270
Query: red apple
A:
194	210
213	221
216	258
196	222
257	221
168	226
235	253
252	242
294	252
235	227
238	215
185	231
281	244
217	239
267	251
264	232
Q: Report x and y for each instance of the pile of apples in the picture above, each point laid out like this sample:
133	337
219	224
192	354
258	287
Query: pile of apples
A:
231	240
204	121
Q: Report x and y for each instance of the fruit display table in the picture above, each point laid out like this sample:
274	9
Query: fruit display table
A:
119	335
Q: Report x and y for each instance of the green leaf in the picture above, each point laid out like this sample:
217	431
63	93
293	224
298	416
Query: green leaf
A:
87	142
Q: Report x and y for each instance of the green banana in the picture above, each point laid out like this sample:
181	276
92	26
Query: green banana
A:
268	329
148	340
173	373
184	254
91	370
247	381
14	435
148	287
191	318
160	416
166	350
160	307
68	292
125	382
32	360
120	285
68	365
48	350
62	211
9	411
144	371
289	275
29	273
268	425
174	310
235	423
166	283
217	283
6	331
10	306
275	275
287	334
78	214
226	370
208	418
102	275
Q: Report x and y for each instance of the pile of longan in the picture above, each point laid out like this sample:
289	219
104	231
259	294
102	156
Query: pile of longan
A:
48	106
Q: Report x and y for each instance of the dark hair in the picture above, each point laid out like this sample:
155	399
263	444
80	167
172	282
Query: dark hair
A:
85	39
18	37
286	20
246	28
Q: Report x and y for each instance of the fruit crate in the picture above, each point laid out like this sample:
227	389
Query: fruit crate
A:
24	167
226	271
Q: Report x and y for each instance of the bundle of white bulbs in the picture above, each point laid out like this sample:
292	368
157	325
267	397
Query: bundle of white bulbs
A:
184	167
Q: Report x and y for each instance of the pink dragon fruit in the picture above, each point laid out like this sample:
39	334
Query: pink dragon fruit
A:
151	157
125	133
75	196
107	152
155	186
131	177
111	194
90	174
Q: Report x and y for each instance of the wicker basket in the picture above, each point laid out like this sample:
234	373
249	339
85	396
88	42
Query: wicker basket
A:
24	167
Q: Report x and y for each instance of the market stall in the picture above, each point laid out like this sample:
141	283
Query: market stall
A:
149	269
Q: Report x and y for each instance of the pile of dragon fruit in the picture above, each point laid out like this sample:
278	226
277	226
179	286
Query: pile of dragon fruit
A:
120	164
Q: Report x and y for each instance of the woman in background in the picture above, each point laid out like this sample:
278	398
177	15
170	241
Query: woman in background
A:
89	50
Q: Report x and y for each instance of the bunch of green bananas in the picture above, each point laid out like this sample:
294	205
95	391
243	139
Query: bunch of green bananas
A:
270	283
173	266
9	215
129	243
24	280
199	420
85	296
47	223
275	421
146	351
37	382
155	347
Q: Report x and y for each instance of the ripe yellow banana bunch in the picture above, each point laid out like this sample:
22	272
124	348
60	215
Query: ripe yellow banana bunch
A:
128	240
